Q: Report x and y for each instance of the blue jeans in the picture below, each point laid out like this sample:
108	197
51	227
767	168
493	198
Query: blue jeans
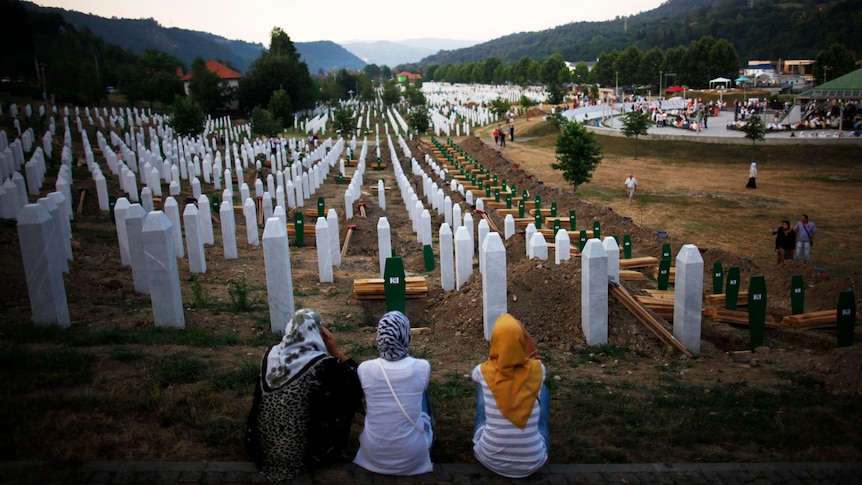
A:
426	407
544	413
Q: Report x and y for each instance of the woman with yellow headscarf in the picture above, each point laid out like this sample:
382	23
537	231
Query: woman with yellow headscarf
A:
510	436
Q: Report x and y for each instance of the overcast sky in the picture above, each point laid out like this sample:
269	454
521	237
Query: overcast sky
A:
343	21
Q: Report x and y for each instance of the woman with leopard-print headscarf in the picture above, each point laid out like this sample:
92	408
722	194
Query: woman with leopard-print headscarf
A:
396	439
304	401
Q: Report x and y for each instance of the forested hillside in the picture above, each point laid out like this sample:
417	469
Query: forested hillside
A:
758	29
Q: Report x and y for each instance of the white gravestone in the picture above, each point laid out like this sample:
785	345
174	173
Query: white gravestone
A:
494	301
538	246
335	242
562	246
135	216
687	300
463	257
384	242
45	284
172	211
120	208
206	219
194	239
324	250
250	212
613	250
447	258
594	293
228	229
162	271
279	281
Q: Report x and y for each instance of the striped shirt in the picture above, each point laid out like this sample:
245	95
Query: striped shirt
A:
501	446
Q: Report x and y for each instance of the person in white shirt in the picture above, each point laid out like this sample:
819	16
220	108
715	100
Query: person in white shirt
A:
631	186
510	435
398	432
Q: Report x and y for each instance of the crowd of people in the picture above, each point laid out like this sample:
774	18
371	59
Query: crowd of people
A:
309	392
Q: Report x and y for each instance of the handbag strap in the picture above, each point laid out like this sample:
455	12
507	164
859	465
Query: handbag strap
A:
397	401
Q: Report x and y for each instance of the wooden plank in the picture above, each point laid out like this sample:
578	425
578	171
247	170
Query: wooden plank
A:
641	262
720	299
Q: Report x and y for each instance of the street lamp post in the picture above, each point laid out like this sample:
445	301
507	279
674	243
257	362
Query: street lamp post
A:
44	86
616	93
660	85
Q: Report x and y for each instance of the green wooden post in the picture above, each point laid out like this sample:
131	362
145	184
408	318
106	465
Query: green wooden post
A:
340	178
663	274
299	227
495	180
525	195
538	202
553	209
428	255
797	295
215	204
538	219
112	202
488	192
481	185
573	219
378	164
557	227
496	195
394	286
582	240
321	207
732	292
508	201
521	209
627	246
756	310
717	278
666	253
597	229
846	318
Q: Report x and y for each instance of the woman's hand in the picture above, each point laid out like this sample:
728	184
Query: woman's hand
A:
331	345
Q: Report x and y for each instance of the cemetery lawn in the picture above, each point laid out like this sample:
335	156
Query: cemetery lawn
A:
112	387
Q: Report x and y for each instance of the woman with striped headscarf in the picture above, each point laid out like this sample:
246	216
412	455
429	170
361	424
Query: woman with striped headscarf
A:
510	436
396	439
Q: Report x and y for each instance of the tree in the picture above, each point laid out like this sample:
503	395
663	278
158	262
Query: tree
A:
263	123
278	68
635	123
578	154
344	120
755	130
627	64
187	117
414	95
417	118
500	107
281	108
391	93
204	87
833	62
581	73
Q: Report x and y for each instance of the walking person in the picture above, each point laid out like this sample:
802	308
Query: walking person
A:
805	231
752	176
785	241
631	186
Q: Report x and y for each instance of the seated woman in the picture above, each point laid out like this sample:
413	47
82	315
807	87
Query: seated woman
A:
396	439
510	436
304	401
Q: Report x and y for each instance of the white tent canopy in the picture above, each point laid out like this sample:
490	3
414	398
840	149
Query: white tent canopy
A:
719	80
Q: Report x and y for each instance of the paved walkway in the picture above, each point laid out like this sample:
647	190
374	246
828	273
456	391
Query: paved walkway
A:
218	473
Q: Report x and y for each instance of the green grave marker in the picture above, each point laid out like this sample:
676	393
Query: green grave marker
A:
717	277
627	246
538	219
496	195
428	255
597	229
797	295
732	291
573	220
663	274
756	310
846	318
557	226
666	253
521	209
582	240
508	201
394	286
321	207
553	209
299	227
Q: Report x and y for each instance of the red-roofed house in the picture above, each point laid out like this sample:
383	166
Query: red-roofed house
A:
405	76
229	78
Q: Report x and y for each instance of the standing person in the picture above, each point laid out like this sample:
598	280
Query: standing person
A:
511	132
785	241
631	185
304	401
398	430
510	435
805	231
752	176
496	136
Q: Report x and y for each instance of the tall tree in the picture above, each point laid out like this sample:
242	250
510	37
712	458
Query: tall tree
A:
833	62
755	130
578	153
636	124
204	87
627	64
281	67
